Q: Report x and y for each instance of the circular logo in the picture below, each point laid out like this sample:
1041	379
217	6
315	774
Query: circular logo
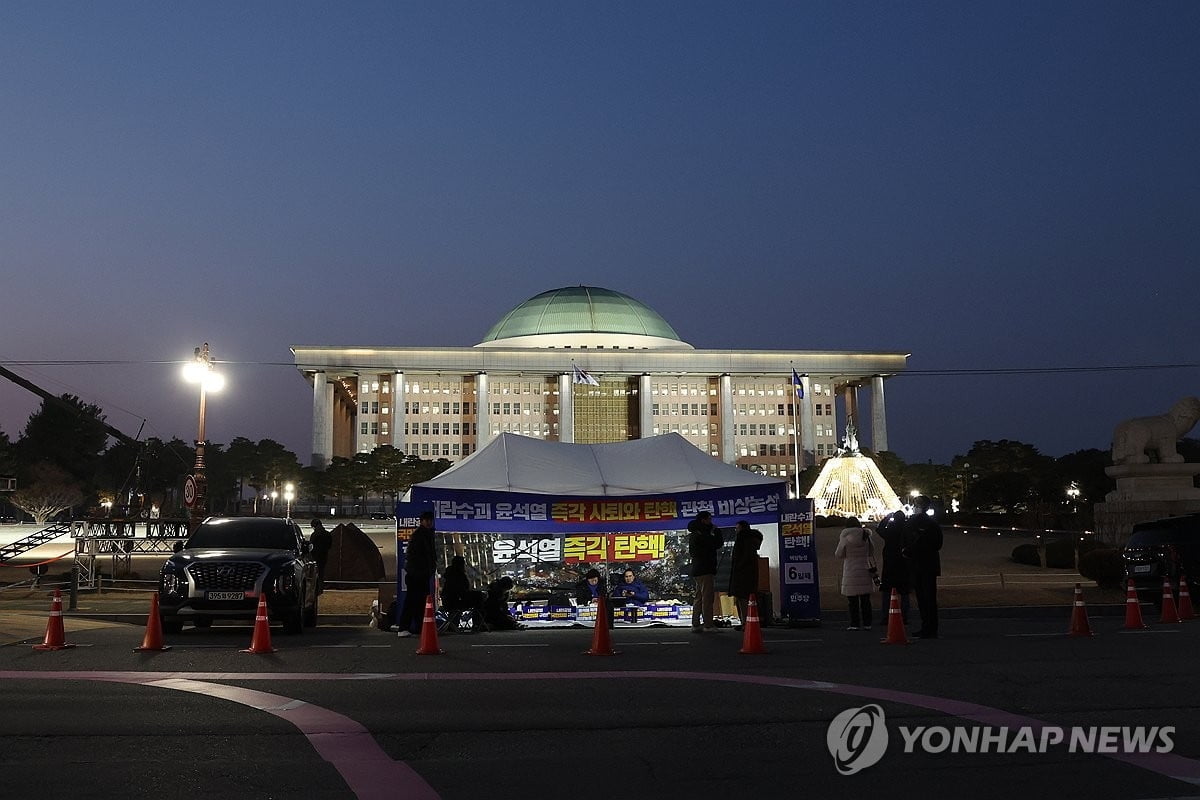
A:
857	738
189	491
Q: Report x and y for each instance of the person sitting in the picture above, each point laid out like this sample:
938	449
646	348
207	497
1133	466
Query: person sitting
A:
496	611
589	592
630	590
457	595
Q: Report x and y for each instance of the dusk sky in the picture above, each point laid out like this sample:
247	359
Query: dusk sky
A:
1009	191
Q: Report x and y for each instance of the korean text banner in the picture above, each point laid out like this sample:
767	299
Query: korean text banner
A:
800	598
499	512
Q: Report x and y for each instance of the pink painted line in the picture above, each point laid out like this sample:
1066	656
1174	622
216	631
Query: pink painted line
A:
369	772
1170	765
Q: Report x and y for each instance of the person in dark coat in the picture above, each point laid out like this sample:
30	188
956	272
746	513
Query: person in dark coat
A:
457	594
743	573
420	562
590	590
925	544
705	541
322	543
895	569
496	612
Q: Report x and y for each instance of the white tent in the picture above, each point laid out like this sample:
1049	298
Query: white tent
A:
656	465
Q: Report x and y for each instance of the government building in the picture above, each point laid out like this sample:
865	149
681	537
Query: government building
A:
590	365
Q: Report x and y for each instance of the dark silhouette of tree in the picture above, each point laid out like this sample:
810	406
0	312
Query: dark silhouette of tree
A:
71	438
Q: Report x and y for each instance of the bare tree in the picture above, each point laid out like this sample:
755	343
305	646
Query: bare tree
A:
50	491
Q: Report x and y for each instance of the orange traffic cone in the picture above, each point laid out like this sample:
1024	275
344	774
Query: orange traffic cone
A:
1079	619
601	641
1133	609
154	635
1169	612
895	629
1185	599
752	641
260	642
56	638
429	640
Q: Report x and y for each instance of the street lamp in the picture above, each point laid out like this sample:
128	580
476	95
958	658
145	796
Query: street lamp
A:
200	370
289	494
1073	497
274	497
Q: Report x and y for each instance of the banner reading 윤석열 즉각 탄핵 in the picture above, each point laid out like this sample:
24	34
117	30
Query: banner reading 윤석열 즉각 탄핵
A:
500	512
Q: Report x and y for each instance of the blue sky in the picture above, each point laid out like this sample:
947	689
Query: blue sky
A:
988	186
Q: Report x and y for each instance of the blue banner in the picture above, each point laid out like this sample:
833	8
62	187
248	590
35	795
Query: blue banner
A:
799	586
499	512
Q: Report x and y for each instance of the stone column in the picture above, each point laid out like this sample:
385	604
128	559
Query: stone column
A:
483	425
566	407
879	437
728	450
322	430
646	406
399	411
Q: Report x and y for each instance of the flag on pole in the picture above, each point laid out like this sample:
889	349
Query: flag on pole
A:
580	376
797	384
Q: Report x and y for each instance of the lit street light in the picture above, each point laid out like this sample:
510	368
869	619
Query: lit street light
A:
200	370
289	494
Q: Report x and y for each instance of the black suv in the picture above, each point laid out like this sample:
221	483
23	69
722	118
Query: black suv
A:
1163	548
228	562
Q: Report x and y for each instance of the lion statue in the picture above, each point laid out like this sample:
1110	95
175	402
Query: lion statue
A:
1134	438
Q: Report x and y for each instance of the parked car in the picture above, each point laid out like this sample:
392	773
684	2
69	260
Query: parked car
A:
228	563
1163	548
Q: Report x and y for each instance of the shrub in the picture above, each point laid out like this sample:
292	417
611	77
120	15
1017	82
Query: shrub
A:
1104	566
1087	545
1060	553
1027	554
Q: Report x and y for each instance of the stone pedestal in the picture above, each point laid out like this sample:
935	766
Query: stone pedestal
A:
1145	492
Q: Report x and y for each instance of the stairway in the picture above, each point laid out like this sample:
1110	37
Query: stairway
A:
37	539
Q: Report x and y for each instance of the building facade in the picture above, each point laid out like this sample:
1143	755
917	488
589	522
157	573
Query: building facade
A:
590	365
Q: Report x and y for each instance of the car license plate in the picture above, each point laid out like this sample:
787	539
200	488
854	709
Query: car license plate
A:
1141	568
226	595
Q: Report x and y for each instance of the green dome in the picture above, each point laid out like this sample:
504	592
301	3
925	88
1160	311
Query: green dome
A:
581	309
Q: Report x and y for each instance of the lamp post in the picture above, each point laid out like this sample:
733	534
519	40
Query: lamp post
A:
1073	493
200	370
289	494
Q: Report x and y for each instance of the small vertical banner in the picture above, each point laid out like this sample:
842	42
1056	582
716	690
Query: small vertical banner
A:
798	584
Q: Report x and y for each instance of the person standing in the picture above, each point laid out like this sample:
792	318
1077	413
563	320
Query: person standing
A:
856	550
895	569
743	573
925	544
322	543
704	544
420	561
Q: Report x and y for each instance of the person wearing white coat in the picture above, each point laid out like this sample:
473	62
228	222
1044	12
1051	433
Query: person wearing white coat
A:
857	550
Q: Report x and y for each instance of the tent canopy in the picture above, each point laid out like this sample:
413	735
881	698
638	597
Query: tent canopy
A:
666	464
